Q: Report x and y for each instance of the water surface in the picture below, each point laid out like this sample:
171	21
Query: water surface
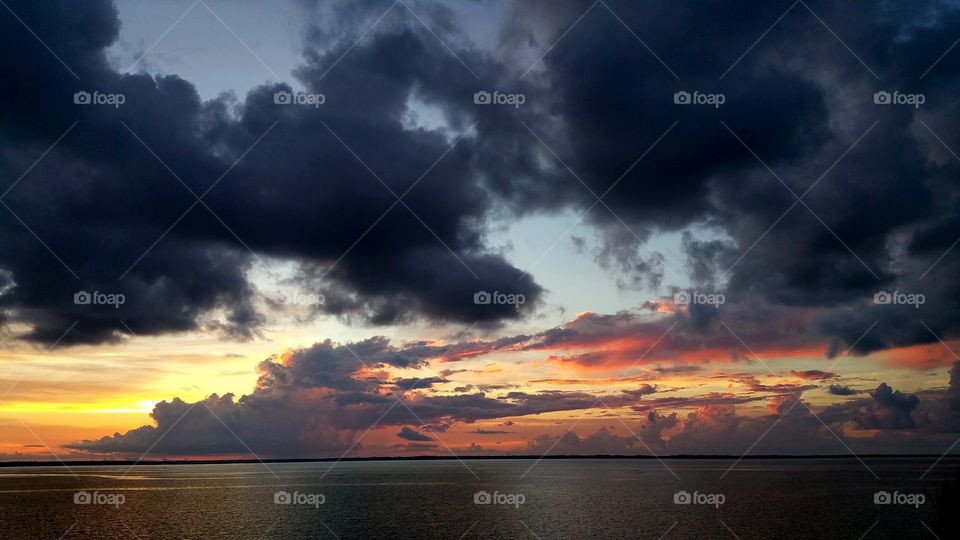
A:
552	498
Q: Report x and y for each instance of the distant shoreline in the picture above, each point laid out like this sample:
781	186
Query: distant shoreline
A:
453	458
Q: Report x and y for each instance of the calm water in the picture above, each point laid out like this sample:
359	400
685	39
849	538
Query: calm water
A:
783	499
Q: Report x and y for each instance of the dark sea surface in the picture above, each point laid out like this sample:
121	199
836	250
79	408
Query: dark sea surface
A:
552	498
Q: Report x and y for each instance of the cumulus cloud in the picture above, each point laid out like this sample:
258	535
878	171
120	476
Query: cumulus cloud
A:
891	409
315	401
99	228
569	443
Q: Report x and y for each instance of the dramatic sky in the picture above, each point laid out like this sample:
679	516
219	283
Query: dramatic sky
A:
251	228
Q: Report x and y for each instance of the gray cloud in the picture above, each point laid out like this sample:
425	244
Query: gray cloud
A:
412	435
840	390
891	409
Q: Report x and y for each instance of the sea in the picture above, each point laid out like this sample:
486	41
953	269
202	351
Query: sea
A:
788	499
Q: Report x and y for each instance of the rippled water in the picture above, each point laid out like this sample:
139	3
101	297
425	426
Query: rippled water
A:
623	498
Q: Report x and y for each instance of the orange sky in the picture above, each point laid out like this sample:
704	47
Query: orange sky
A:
88	392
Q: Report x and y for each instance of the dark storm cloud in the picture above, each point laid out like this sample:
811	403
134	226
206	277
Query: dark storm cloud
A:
100	200
595	90
880	211
881	207
91	199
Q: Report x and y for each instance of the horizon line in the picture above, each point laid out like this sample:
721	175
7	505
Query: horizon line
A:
52	463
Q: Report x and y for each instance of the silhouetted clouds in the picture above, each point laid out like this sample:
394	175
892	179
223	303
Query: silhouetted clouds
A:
891	409
318	400
841	390
412	435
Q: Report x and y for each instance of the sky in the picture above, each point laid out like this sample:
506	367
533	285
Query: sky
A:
322	228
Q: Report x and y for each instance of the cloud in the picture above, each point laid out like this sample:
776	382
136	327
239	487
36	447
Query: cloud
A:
891	409
481	431
569	443
424	383
316	401
641	390
706	400
805	283
193	276
813	374
412	435
840	390
753	384
822	260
